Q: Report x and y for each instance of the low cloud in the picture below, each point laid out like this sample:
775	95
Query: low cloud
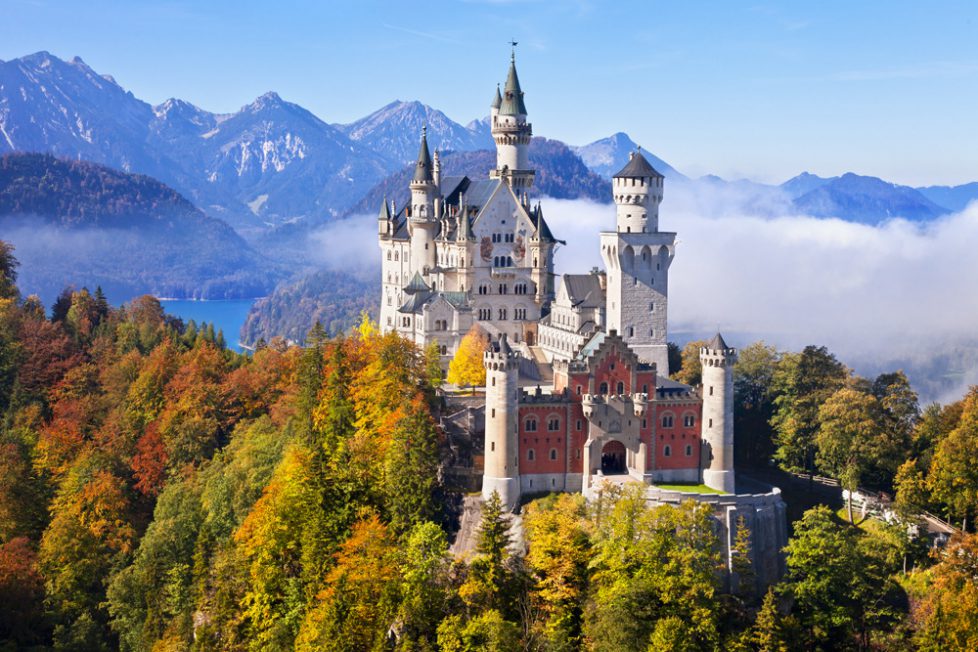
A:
900	295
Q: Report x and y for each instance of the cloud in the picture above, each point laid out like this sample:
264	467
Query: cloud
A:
900	295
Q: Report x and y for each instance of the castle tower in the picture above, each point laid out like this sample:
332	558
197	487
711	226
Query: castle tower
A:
423	222
512	133
637	257
717	423
502	444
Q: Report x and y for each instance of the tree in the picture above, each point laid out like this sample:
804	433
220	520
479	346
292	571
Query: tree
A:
849	438
945	613
691	370
768	634
742	564
559	543
486	632
432	365
953	475
675	357
411	468
801	383
21	590
490	581
8	271
467	368
425	585
753	375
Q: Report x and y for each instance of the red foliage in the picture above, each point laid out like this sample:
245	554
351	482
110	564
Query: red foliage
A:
149	462
48	354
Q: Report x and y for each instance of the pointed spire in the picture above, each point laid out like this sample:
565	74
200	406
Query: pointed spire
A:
512	93
504	347
498	100
422	171
385	210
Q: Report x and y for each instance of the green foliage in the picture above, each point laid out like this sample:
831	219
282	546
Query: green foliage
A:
753	375
691	370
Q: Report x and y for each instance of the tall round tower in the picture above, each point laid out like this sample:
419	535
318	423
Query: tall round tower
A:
501	444
423	222
637	190
512	133
717	424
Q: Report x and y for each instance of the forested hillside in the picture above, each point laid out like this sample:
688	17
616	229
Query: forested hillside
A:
159	492
130	234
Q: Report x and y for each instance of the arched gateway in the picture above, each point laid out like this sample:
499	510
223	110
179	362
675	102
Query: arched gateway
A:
613	458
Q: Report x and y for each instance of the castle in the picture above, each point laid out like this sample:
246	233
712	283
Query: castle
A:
468	252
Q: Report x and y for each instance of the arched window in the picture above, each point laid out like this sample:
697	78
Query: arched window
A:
603	389
444	350
631	331
530	455
667	421
689	420
388	255
667	451
621	387
553	454
530	425
395	255
689	450
553	424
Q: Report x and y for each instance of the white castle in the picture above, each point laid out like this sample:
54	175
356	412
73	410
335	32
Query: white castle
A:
477	252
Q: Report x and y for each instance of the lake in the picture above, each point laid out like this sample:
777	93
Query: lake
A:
228	316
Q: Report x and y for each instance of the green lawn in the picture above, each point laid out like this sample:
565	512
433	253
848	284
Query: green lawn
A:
689	488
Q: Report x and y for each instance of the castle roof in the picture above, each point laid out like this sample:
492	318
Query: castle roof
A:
541	225
415	302
584	290
512	103
417	285
422	169
498	99
717	343
638	167
503	345
385	210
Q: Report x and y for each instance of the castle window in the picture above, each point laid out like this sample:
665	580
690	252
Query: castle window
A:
652	307
711	390
604	388
645	389
553	454
493	381
492	447
395	256
502	313
530	455
553	425
689	450
388	255
389	300
667	451
530	425
493	413
645	424
631	331
711	423
689	420
444	350
578	453
578	393
667	421
621	387
579	424
426	246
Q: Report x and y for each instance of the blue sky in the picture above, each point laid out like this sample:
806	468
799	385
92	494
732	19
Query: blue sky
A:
763	90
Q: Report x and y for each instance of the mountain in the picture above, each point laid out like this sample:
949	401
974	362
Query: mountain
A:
394	132
954	198
334	299
867	200
271	162
560	174
804	183
128	233
607	156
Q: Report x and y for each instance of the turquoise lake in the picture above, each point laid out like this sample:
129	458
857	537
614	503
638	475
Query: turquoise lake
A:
228	316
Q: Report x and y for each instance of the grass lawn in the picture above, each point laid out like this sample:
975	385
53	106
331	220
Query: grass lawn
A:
689	488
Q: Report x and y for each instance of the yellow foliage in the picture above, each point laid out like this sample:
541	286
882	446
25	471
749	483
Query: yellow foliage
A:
466	368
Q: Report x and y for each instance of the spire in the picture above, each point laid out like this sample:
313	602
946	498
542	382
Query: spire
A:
422	172
637	167
504	347
717	343
498	100
512	103
385	210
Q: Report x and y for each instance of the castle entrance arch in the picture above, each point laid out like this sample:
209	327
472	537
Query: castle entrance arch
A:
613	458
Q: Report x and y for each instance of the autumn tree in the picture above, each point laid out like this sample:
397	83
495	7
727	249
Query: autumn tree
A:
953	476
944	614
8	271
849	438
691	370
467	368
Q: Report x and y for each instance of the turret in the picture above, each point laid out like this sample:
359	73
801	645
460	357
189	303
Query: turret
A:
512	133
716	426
423	222
637	190
384	220
501	442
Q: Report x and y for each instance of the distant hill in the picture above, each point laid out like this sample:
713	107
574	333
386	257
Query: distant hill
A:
395	130
803	183
867	200
334	299
955	198
559	174
607	156
130	234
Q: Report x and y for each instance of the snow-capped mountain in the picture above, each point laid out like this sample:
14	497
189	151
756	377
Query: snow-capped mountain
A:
395	129
606	156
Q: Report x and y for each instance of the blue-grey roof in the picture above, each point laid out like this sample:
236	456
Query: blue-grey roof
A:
422	169
638	167
512	103
591	346
717	343
479	192
417	285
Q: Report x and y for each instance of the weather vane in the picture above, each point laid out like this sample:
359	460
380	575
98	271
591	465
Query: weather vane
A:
513	43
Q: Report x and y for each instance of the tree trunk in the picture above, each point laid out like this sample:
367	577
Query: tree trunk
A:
849	504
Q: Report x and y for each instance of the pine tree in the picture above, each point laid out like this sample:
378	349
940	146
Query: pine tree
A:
767	631
741	564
